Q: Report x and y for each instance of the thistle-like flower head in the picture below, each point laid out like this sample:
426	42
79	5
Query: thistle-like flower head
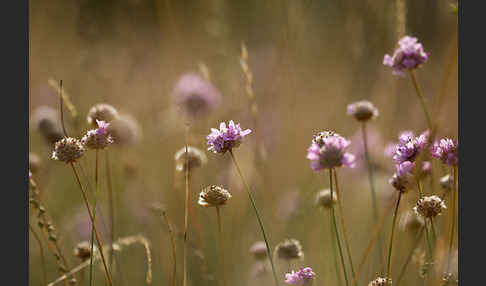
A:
446	151
213	196
362	110
289	249
429	206
98	138
303	277
226	138
68	150
409	55
328	150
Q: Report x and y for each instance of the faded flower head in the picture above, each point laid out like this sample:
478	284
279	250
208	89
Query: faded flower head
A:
402	177
68	150
125	130
102	112
303	277
328	151
381	282
409	146
98	138
447	182
323	198
195	95
362	110
446	151
46	120
289	249
429	207
213	196
34	162
410	221
408	56
82	250
259	250
195	158
227	137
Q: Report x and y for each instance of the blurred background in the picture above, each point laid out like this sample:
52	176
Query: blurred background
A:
309	59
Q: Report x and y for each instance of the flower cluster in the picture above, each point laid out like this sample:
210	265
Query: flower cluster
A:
102	112
362	110
289	249
409	55
446	151
68	150
226	138
409	146
429	207
195	158
98	138
213	196
327	151
303	277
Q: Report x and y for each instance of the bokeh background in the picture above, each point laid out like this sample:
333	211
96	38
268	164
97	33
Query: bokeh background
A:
309	59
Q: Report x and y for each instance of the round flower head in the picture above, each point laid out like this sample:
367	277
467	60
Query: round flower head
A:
303	277
34	162
98	138
408	56
46	120
289	249
323	198
447	182
195	95
68	150
125	130
429	207
362	110
102	112
446	151
259	250
82	250
401	178
226	138
409	146
195	158
213	196
381	282
410	221
328	151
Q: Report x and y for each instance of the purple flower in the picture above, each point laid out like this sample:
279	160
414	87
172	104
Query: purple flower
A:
409	146
303	277
446	151
408	56
327	151
98	138
195	95
401	178
102	125
226	138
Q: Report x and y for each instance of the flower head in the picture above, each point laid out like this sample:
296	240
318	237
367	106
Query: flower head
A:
362	110
125	130
195	158
68	150
381	282
46	120
327	151
102	112
98	138
213	196
195	95
408	56
226	138
82	250
323	198
446	151
409	146
429	207
259	250
289	249
402	176
303	277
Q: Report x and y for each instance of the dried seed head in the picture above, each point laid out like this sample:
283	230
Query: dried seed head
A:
102	112
410	221
213	196
98	138
34	162
125	130
259	250
68	150
447	182
46	120
82	250
289	249
323	198
429	207
381	282
195	158
362	110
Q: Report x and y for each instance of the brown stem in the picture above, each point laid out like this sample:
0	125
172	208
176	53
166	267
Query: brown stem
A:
41	250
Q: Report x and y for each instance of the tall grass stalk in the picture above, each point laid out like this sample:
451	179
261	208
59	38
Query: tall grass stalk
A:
453	222
345	235
111	205
269	254
94	220
220	234
395	214
41	254
420	95
334	250
186	210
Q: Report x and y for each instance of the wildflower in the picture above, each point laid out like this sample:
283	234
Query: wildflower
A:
408	56
98	138
447	182
327	151
259	250
226	138
34	162
289	249
102	112
195	95
46	120
82	250
401	178
68	150
323	198
429	207
446	151
381	282
409	146
125	130
303	277
362	110
213	196
195	158
410	221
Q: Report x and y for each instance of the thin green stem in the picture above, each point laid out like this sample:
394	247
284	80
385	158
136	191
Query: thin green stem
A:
186	211
334	250
336	229
269	254
388	267
453	222
409	256
220	234
343	225
94	221
41	253
421	98
434	234
111	206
